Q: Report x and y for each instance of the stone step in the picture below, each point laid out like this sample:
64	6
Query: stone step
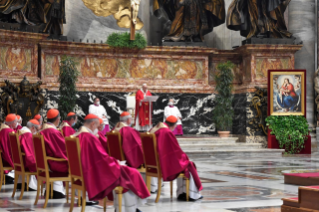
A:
220	146
233	152
182	140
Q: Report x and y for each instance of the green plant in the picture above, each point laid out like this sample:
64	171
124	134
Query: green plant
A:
290	131
223	112
67	79
122	40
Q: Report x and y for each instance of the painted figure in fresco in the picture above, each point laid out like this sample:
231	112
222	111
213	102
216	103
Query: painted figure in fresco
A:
287	97
35	12
261	18
190	19
25	100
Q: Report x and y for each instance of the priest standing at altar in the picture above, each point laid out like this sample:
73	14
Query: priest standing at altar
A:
142	110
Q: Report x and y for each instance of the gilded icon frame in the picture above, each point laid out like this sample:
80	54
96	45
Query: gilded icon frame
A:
281	103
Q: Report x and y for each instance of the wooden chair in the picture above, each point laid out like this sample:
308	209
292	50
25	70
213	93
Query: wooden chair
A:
43	173
77	180
114	143
3	167
19	169
152	165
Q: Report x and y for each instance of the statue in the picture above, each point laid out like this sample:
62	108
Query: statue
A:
135	5
258	18
259	103
25	100
49	13
316	86
190	19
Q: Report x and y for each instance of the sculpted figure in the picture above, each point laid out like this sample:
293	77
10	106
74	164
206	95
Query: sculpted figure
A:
261	18
190	19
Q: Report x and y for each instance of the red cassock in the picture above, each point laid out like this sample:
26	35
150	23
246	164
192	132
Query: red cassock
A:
5	145
102	173
67	129
19	127
132	147
172	158
142	110
27	147
103	141
55	147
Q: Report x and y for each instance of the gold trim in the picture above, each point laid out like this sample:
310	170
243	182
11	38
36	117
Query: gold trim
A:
302	113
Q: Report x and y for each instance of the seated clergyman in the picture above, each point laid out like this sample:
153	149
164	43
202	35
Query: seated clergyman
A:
131	141
103	173
68	124
174	161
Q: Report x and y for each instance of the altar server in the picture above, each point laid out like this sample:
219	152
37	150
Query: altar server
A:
174	161
55	147
103	173
99	110
19	124
67	125
131	141
172	110
101	136
26	142
142	111
39	118
7	127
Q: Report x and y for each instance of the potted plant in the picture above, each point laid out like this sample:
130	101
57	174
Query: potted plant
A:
67	79
223	112
290	131
122	40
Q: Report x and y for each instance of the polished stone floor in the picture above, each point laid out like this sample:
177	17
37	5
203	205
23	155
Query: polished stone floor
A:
248	183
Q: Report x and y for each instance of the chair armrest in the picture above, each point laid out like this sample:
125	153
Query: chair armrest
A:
57	159
22	153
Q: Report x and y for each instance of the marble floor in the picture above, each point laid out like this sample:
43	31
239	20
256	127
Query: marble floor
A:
233	183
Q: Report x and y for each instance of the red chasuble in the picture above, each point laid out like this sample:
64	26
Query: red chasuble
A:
55	147
19	127
102	173
103	141
132	145
27	147
172	158
67	129
5	145
143	109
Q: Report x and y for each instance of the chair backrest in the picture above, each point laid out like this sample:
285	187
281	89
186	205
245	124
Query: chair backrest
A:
40	153
151	159
73	150
61	131
16	152
114	143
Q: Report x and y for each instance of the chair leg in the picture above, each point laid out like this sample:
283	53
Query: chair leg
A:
16	177
72	199
1	179
67	191
148	183
28	180
4	180
22	187
171	189
51	190
38	191
187	190
83	201
120	201
47	194
104	204
79	197
159	189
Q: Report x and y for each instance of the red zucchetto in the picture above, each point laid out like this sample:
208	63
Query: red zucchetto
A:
91	116
71	114
34	121
11	117
171	119
37	117
101	120
52	113
125	114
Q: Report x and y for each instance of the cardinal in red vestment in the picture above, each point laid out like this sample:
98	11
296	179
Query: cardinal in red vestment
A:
67	125
26	142
174	161
101	135
11	122
55	147
131	141
142	111
39	118
19	125
103	173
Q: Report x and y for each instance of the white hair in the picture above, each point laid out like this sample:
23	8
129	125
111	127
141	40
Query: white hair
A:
89	121
10	122
144	84
30	125
125	118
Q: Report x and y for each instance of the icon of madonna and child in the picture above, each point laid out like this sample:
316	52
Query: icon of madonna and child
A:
287	93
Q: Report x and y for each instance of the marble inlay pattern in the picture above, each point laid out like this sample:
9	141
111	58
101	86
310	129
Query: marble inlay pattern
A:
278	170
258	209
243	175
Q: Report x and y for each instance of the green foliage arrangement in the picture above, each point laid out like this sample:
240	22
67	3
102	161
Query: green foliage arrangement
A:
122	40
67	79
223	112
290	131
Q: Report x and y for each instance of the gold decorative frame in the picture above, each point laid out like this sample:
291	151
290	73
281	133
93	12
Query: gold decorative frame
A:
271	74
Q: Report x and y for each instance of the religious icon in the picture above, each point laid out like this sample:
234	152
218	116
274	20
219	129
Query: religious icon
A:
287	92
